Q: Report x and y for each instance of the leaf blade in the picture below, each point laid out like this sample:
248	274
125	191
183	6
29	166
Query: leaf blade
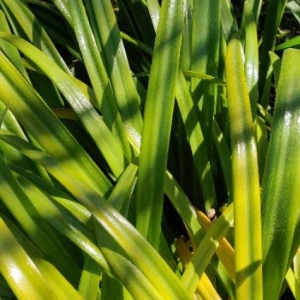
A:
158	110
246	190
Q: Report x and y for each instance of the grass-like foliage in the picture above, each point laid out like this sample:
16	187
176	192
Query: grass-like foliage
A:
149	149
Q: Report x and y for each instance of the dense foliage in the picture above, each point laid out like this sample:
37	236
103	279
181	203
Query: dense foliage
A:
149	149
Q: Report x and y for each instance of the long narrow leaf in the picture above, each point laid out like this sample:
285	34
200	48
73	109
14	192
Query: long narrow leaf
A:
157	120
90	279
19	270
275	9
204	59
251	56
31	29
206	250
246	197
9	50
106	102
118	69
280	193
183	206
196	140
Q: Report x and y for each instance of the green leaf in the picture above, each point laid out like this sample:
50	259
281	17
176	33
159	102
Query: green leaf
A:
203	76
224	155
183	206
197	142
141	19
90	279
19	270
275	9
249	31
288	44
120	76
205	59
280	192
10	50
255	6
246	189
120	196
98	75
28	27
157	121
206	250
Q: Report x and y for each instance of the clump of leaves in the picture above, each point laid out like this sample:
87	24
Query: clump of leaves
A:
142	153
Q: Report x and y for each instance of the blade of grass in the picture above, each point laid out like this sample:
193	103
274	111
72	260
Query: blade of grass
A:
262	144
205	288
61	5
209	78
205	59
246	190
207	16
185	57
280	193
157	121
7	118
57	28
2	114
83	237
54	279
120	196
292	282
138	43
81	213
112	289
